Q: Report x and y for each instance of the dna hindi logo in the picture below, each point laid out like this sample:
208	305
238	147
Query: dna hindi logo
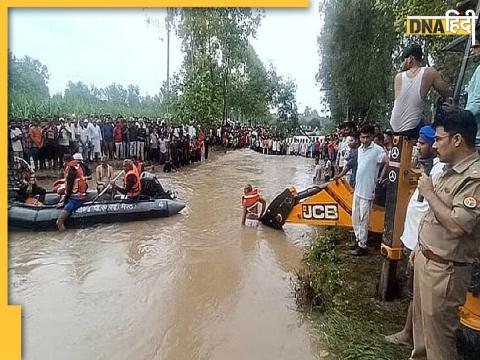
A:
453	23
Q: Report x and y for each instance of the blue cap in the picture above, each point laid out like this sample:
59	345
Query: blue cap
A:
427	133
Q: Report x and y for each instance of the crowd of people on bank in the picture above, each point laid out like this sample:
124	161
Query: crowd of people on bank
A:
43	143
331	153
72	145
441	233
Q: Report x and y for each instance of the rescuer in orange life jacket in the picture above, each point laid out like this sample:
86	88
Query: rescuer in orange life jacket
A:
250	201
138	164
131	180
75	190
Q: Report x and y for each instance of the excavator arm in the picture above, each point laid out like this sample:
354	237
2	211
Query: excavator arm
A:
329	204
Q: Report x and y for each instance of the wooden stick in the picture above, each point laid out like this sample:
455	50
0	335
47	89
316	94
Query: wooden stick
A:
106	188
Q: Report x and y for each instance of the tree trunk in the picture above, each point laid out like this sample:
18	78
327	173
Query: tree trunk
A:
367	114
225	92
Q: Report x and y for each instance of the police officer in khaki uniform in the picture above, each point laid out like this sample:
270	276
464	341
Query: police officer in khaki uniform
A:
449	238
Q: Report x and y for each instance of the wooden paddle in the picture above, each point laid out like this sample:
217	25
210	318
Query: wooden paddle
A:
106	188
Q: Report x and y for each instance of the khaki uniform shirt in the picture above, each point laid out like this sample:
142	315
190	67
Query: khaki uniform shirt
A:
459	188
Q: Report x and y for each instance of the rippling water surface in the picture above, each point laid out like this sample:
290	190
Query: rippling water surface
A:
194	286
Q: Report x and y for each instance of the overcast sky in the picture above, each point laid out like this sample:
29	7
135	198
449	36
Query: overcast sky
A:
102	46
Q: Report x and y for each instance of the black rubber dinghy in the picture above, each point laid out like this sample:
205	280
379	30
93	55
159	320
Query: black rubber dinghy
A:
103	210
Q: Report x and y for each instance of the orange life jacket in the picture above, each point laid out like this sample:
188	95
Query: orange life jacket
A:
33	201
135	191
251	199
80	183
138	165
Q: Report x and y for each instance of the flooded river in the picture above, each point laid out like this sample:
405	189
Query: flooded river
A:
194	286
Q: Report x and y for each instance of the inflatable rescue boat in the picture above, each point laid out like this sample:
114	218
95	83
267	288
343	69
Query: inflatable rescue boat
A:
102	210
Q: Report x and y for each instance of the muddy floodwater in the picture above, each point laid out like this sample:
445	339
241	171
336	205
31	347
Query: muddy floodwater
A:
197	285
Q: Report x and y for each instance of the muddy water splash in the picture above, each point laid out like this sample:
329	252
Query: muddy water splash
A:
194	286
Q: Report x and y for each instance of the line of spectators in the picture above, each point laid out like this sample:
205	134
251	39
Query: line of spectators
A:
335	150
44	143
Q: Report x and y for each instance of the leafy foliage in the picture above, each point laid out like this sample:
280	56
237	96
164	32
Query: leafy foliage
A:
356	64
221	74
221	77
27	83
360	46
319	281
352	320
445	62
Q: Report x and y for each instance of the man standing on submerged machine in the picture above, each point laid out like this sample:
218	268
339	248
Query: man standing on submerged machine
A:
412	85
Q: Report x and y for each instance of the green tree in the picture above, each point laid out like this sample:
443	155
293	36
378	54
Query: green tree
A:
27	85
221	77
356	65
116	94
250	93
78	92
360	46
284	104
133	97
215	43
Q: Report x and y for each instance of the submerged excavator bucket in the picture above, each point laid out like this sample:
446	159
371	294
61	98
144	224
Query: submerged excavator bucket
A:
329	204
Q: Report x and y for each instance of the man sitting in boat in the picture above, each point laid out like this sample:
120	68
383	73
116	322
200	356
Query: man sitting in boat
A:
30	192
132	187
22	182
250	201
59	185
103	174
75	190
138	164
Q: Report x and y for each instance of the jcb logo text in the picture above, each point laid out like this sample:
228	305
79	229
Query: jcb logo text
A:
320	211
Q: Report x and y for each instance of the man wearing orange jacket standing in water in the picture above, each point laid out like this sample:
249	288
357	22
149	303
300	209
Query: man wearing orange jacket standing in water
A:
250	201
75	190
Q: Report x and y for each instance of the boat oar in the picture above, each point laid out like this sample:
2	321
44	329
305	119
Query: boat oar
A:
106	188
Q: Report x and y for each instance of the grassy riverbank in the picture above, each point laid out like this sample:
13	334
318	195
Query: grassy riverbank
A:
342	288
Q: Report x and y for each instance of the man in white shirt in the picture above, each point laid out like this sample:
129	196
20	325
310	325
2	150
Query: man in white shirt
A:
64	137
71	126
329	173
16	135
317	177
343	148
415	211
163	148
95	136
371	158
83	139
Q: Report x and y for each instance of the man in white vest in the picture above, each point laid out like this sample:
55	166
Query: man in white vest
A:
412	86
